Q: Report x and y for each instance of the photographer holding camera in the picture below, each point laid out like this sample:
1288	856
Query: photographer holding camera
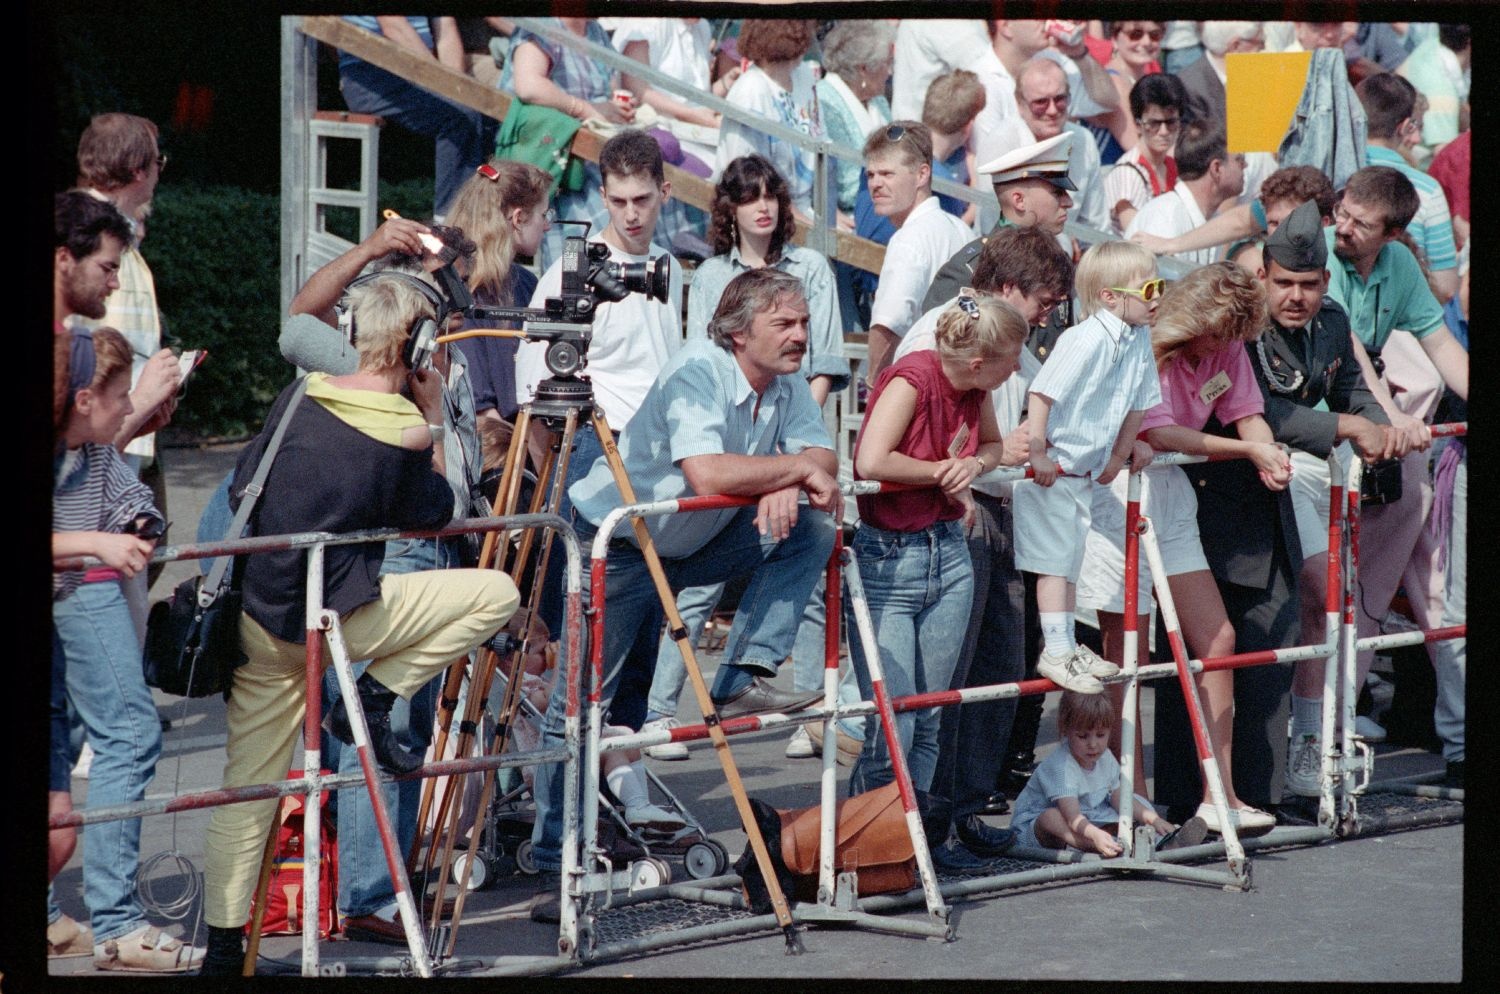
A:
356	455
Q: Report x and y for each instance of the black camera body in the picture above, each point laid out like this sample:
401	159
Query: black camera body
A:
565	322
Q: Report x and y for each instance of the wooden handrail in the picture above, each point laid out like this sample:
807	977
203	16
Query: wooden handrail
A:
463	89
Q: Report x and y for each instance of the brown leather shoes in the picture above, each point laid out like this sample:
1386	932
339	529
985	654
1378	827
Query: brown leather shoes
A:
373	928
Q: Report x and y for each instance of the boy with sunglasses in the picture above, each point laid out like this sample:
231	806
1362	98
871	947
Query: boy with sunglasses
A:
1084	413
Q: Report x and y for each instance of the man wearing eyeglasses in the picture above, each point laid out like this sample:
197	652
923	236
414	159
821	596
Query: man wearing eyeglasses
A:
1393	121
1206	176
1042	94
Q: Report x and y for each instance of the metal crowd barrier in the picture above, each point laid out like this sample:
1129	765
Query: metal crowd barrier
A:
586	892
311	783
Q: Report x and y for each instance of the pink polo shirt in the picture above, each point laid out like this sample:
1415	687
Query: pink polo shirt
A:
1184	389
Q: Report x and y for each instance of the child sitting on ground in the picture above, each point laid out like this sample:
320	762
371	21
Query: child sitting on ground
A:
1084	410
1072	800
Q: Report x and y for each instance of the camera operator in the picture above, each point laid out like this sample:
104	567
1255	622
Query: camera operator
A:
356	455
632	339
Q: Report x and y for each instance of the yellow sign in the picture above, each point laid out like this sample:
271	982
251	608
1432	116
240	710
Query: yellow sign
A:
1261	94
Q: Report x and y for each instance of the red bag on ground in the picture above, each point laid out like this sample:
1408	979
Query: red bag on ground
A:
284	898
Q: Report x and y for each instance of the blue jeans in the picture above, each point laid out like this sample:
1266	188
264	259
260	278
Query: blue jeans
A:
918	586
365	885
586	449
765	626
107	689
696	604
1453	655
464	138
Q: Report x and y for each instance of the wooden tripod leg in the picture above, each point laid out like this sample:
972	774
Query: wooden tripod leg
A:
700	689
447	703
262	891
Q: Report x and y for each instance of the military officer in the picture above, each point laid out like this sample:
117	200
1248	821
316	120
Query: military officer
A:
1250	533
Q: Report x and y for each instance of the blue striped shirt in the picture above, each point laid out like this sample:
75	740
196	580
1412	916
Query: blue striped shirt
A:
1432	228
1100	370
94	490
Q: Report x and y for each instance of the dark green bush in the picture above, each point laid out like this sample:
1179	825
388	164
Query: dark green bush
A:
215	254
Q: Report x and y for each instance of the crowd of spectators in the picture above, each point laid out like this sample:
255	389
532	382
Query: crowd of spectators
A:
1335	323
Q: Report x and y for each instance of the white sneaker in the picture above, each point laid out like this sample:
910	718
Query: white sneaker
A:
1366	728
1245	820
85	760
1099	667
652	817
1304	769
1070	672
800	745
667	750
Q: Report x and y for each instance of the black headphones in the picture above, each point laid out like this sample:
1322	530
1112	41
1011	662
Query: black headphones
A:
421	337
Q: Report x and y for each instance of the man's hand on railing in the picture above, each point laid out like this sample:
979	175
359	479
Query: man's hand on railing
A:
777	512
823	492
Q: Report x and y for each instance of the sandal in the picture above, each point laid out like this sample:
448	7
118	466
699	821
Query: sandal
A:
65	937
147	950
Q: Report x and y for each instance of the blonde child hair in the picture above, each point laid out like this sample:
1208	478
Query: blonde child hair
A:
993	329
1106	265
1081	712
1220	301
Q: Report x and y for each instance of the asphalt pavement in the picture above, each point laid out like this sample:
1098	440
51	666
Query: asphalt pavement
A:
1379	909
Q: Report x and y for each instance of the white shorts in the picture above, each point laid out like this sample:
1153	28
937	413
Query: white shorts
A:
1167	498
1309	490
1051	525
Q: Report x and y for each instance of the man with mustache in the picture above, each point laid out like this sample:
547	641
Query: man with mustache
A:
729	414
1250	533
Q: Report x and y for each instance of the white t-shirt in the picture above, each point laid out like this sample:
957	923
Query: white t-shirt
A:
632	340
919	248
998	128
1174	213
1008	399
926	50
679	49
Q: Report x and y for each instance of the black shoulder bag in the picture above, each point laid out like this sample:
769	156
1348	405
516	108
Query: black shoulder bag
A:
193	637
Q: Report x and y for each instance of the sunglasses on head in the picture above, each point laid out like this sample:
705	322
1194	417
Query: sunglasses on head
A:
1135	34
895	132
1150	290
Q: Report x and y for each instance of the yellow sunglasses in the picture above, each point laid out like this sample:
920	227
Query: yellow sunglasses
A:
1150	290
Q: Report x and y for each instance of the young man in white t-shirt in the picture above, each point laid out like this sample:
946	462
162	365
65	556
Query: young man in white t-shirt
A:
898	165
632	339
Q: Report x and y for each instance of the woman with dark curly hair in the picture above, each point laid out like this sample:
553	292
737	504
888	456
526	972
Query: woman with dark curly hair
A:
778	86
751	228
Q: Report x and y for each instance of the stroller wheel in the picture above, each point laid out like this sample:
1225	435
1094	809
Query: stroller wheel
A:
525	861
481	872
705	859
649	872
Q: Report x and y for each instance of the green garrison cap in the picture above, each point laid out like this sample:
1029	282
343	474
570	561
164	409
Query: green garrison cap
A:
1298	243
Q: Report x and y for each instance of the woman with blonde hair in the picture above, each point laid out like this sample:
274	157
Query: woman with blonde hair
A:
503	210
1198	339
929	422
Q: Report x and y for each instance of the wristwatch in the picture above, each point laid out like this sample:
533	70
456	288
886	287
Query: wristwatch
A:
982	467
438	431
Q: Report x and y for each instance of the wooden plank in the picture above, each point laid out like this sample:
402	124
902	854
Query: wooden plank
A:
464	89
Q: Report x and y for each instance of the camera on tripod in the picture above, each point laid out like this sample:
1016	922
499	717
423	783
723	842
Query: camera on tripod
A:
565	322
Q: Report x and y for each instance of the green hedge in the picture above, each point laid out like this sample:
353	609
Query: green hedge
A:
215	254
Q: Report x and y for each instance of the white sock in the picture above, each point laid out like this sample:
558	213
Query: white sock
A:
629	785
1057	632
1307	717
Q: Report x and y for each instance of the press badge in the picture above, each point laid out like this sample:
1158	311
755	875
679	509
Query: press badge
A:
1214	388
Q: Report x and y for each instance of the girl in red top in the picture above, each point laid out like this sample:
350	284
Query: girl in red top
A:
929	423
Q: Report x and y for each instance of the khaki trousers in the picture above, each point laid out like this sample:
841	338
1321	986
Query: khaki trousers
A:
421	623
